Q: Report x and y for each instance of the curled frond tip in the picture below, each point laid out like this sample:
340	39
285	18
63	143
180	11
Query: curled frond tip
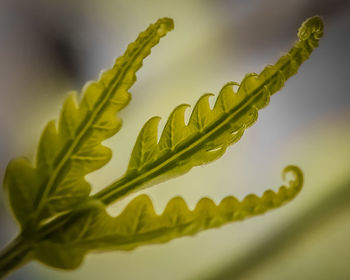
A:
166	25
311	27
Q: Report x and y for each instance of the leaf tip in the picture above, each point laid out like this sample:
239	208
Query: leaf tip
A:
165	25
296	172
313	26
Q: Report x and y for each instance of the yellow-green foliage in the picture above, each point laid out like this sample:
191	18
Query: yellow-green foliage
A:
94	229
67	153
51	200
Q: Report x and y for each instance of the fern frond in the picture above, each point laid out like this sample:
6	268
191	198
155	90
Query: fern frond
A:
139	225
73	149
209	131
61	222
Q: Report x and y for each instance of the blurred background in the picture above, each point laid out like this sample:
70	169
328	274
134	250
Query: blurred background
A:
50	47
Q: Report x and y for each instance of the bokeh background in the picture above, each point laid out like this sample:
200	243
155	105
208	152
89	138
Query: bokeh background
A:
50	47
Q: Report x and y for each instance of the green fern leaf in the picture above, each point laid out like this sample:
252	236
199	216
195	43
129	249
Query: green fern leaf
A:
138	224
209	131
61	222
73	149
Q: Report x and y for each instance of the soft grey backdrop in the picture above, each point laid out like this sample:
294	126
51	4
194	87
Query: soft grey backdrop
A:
48	48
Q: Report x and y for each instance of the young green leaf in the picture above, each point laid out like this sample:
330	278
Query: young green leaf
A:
138	224
61	222
209	131
73	149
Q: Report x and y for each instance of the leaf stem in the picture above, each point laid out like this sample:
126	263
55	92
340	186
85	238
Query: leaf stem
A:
14	255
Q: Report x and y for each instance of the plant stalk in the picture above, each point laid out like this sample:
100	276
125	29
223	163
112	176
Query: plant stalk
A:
14	255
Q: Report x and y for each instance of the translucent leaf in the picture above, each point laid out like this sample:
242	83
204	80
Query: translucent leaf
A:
69	151
61	222
138	224
209	131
